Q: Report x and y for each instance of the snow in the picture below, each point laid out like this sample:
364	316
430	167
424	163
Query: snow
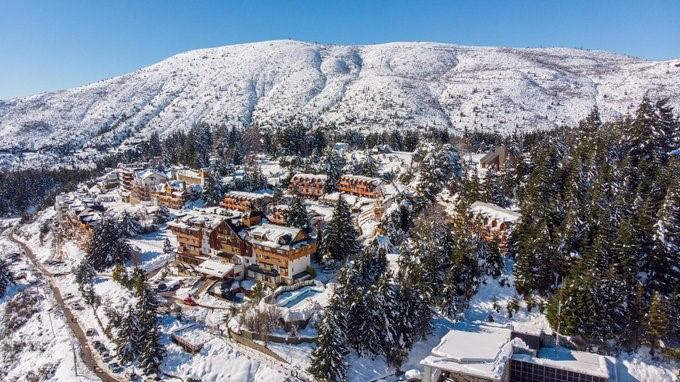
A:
44	341
215	268
482	344
495	212
566	359
385	86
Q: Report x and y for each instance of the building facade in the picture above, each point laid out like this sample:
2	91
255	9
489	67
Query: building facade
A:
245	201
361	186
496	222
282	254
77	215
308	185
496	159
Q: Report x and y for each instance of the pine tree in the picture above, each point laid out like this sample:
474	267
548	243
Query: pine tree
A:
415	308
167	247
296	214
130	226
138	281
666	128
493	191
328	358
127	337
657	322
84	273
6	278
494	263
120	275
339	236
369	167
107	246
334	164
665	251
151	350
213	190
440	167
461	282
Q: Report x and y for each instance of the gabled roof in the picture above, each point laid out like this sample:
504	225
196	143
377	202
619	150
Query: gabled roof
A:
277	236
494	211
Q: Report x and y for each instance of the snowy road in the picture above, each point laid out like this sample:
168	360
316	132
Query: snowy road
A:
85	350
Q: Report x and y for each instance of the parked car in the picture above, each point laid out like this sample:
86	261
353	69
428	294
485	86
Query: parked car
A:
115	367
91	332
189	301
98	344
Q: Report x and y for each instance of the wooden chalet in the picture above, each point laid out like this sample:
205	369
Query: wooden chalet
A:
282	254
308	185
361	186
496	221
495	159
77	215
245	201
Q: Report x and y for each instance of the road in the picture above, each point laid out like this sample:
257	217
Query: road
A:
85	349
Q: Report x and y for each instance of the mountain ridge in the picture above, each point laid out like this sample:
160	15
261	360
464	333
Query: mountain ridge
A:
383	86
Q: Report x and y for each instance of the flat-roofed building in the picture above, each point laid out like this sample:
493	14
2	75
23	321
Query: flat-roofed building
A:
126	174
481	353
190	176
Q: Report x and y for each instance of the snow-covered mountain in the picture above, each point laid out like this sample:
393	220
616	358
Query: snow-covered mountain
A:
396	85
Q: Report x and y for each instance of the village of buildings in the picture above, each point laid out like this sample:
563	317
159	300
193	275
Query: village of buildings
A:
221	257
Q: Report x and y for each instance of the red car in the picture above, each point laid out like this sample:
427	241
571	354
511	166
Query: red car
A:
189	301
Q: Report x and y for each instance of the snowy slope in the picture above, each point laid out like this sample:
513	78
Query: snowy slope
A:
396	85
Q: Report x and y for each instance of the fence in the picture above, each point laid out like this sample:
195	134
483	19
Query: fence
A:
271	298
243	340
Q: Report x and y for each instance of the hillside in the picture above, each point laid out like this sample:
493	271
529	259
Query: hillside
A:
396	85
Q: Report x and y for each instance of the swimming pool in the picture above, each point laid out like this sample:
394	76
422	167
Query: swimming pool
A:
290	299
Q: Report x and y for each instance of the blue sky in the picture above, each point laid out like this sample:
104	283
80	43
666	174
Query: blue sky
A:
50	45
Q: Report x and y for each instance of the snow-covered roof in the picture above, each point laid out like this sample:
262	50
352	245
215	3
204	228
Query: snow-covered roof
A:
301	176
215	268
494	211
247	195
484	351
481	345
273	235
198	218
566	359
367	179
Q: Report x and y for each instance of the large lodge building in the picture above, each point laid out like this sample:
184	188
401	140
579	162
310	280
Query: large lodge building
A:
496	221
245	201
308	185
313	185
77	214
361	186
239	244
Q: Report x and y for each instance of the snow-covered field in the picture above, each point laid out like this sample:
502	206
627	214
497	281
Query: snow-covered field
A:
370	87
